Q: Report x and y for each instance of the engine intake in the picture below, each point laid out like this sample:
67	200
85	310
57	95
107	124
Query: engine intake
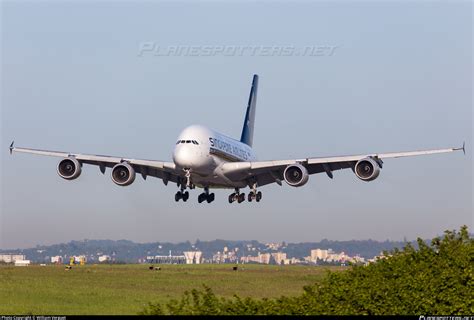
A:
123	174
296	175
367	169
69	168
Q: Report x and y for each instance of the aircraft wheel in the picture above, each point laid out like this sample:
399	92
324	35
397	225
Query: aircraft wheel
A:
241	197
250	197
210	197
259	196
201	197
231	197
177	196
185	196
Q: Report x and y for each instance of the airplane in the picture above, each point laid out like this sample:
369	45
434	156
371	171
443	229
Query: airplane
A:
207	159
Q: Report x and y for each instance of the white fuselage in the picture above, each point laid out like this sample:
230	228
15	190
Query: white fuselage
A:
203	151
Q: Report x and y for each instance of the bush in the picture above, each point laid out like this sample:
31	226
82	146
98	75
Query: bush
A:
436	278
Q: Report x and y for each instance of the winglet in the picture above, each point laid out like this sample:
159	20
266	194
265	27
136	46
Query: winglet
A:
463	148
11	147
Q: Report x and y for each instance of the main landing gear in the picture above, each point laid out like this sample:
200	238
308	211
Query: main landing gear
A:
254	195
181	195
237	196
257	196
206	196
240	197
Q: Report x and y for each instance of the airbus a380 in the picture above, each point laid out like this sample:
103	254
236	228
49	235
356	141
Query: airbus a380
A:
207	159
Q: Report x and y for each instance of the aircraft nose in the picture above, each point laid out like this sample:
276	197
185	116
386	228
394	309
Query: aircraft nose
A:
183	157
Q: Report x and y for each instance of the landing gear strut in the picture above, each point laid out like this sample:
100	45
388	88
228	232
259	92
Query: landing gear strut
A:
183	194
188	178
206	196
237	196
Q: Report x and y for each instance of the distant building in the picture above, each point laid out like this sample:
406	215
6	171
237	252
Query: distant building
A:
225	257
166	259
57	259
193	257
264	258
319	254
104	258
292	261
332	257
261	258
80	259
22	263
273	245
279	257
9	258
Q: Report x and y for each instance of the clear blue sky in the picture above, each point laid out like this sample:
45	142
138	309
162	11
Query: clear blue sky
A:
399	79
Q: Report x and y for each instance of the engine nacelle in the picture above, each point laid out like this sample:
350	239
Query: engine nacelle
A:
123	174
69	168
367	169
296	175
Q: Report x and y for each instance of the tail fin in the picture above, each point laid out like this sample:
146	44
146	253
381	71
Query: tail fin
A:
247	130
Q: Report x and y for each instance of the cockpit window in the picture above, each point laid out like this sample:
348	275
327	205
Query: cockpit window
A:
187	141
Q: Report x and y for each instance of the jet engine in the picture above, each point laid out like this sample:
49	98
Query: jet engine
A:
296	175
123	174
69	168
367	169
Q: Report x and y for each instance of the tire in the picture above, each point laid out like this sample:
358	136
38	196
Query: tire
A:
185	196
177	196
259	196
241	197
231	197
201	198
250	197
210	197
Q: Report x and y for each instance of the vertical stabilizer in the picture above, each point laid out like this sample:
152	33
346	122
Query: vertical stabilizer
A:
247	130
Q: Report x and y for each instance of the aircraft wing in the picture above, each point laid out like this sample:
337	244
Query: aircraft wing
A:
266	172
159	169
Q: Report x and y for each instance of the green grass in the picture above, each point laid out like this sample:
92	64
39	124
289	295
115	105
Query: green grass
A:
127	289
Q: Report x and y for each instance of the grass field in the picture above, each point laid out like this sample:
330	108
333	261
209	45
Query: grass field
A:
127	289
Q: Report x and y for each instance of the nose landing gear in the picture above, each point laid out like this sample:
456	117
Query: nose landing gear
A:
182	193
